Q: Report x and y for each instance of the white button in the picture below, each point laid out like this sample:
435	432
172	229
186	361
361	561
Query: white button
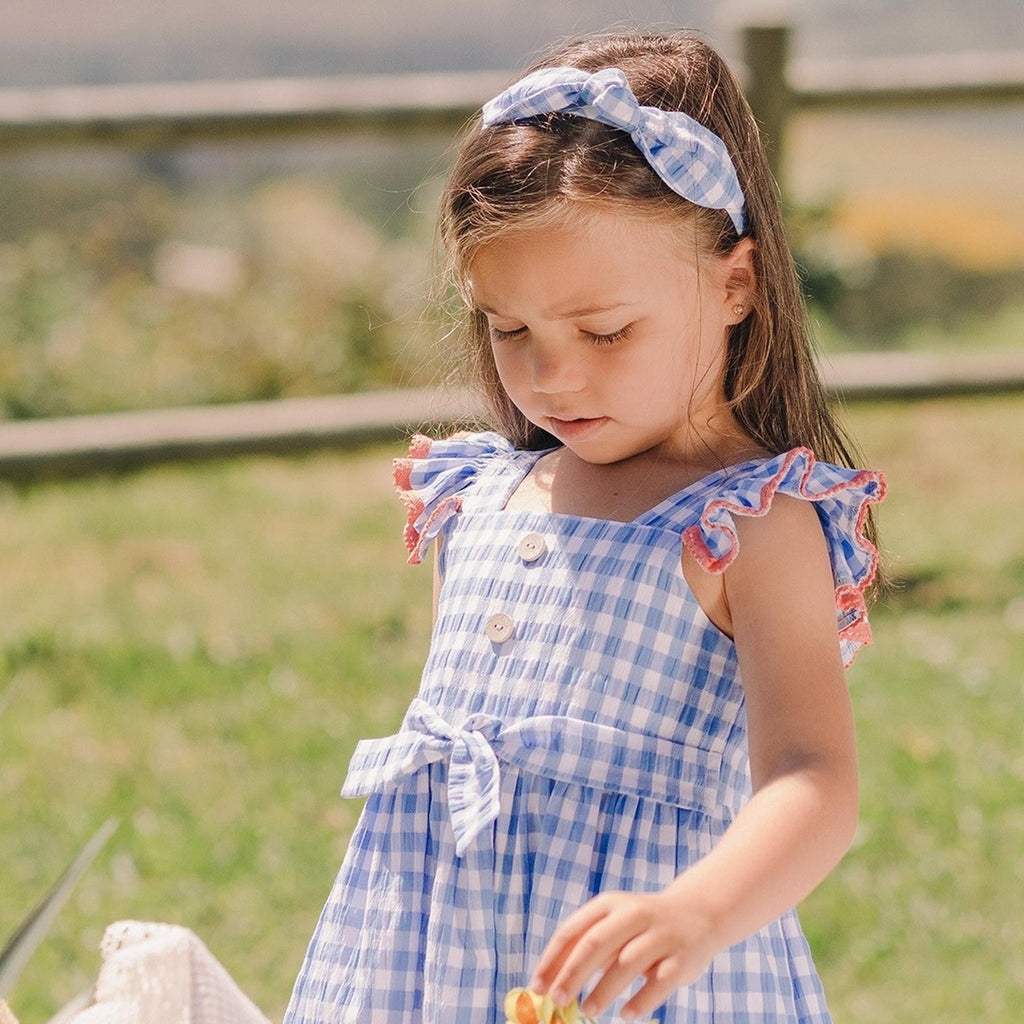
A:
499	627
531	547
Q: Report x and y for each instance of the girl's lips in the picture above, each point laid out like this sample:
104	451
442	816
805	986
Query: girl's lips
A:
575	430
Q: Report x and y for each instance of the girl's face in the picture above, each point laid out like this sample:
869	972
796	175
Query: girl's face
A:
609	334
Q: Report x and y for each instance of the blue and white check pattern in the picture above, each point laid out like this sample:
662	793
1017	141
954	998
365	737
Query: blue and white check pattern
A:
691	159
601	747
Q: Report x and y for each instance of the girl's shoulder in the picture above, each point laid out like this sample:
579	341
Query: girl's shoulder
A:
437	475
841	498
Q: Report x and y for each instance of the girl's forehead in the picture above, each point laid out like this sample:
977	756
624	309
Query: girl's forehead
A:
594	245
597	222
567	269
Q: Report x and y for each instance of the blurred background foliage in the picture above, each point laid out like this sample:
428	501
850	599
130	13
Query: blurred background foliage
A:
211	276
145	284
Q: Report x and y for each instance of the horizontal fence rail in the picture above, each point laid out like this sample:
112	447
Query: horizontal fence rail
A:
169	114
928	80
161	115
83	445
778	87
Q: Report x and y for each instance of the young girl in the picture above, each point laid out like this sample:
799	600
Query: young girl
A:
632	750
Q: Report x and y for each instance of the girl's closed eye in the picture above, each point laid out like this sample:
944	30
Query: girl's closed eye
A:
611	337
497	334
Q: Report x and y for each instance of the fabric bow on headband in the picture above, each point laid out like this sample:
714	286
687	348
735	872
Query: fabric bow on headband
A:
688	157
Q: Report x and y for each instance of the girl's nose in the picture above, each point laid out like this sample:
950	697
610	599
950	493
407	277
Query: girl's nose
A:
554	371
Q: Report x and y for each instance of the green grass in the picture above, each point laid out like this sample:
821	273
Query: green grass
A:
196	650
923	920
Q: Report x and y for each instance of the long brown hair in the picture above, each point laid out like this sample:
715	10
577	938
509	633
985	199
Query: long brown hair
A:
517	174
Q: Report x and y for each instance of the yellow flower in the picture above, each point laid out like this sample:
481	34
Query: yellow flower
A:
525	1007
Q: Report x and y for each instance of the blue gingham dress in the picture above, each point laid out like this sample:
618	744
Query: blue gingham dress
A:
579	728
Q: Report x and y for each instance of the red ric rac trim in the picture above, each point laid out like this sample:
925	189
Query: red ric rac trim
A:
848	597
419	446
416	540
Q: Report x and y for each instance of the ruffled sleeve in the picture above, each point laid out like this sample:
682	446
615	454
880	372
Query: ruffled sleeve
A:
842	498
430	481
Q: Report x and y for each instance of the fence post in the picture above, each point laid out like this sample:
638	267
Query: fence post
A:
765	52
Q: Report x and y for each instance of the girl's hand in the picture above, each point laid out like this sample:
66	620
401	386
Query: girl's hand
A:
623	936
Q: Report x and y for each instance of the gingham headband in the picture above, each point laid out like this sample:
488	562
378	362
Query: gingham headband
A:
691	159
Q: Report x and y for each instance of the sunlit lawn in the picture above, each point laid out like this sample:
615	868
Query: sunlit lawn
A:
196	650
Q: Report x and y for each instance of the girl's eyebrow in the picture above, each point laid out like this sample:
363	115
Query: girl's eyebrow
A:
566	314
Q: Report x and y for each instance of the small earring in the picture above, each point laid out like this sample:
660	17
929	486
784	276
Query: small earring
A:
737	310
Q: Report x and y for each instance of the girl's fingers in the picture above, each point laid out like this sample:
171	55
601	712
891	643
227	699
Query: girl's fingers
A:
617	948
611	984
594	950
636	958
594	954
616	939
661	981
563	942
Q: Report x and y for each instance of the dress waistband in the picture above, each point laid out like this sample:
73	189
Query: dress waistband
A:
566	749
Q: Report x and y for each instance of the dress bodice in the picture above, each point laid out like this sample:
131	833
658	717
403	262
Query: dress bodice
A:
563	625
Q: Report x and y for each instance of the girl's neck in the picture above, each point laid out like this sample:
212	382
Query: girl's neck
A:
562	482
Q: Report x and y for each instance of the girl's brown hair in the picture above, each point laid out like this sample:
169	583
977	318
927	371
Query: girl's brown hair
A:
517	174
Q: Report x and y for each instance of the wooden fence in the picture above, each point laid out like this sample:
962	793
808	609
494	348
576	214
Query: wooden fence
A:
148	117
167	115
779	87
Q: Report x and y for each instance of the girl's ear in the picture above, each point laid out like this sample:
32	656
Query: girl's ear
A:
740	280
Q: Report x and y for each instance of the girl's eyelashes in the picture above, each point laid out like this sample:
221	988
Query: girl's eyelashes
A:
598	339
609	339
499	335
